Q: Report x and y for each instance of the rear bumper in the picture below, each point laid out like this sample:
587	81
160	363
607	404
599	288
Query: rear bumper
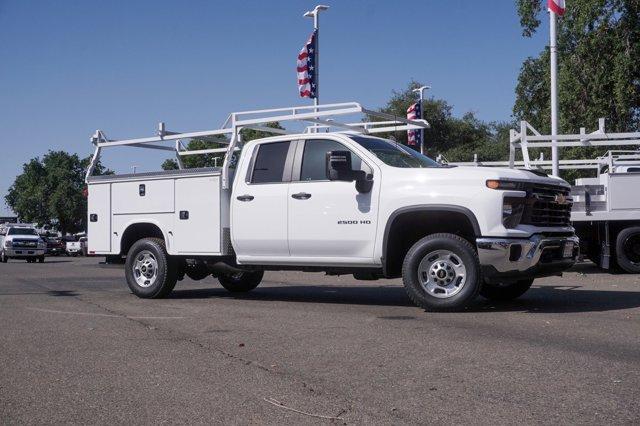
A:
23	252
514	259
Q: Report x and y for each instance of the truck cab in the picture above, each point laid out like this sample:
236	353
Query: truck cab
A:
342	203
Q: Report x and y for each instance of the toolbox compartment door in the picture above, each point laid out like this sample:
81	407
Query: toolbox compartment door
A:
197	216
143	196
99	218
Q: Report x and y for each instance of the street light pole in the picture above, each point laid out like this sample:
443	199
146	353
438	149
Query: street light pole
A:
420	90
315	14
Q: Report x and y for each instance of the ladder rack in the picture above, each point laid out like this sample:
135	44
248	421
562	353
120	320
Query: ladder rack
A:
321	116
524	140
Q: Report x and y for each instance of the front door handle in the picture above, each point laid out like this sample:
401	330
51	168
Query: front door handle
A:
301	196
245	197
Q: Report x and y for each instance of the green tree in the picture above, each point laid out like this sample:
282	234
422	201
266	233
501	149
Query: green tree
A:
599	67
598	71
210	160
458	139
49	191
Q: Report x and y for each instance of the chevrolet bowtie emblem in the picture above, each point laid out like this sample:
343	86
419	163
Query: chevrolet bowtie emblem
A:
561	199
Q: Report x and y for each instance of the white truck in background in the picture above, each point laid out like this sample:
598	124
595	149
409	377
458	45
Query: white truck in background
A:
606	213
343	202
19	241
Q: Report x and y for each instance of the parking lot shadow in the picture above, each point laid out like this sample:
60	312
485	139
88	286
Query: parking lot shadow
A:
543	299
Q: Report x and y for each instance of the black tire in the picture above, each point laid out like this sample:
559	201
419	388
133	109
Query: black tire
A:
241	282
41	259
143	254
504	292
3	257
451	250
628	249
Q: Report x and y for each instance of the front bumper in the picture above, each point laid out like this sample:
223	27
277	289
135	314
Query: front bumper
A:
514	258
20	252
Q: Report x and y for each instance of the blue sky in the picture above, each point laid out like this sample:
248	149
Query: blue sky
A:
70	67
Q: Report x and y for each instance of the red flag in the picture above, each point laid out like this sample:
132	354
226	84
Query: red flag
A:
556	6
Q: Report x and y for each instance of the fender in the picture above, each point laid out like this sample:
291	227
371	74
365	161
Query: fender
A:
426	208
139	221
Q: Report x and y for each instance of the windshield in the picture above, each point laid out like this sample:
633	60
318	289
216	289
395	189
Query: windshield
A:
22	231
395	154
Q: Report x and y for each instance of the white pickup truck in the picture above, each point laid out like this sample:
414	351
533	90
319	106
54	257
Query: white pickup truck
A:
21	242
338	202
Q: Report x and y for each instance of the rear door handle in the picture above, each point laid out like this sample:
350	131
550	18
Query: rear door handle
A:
301	196
245	197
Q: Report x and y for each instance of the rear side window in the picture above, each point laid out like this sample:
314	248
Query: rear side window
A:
270	162
314	158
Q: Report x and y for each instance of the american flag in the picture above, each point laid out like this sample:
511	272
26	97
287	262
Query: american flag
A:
414	137
307	68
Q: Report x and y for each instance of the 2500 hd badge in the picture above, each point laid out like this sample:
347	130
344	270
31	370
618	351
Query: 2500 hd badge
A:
354	222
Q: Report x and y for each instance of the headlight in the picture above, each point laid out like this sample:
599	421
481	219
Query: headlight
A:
42	244
512	209
506	184
8	243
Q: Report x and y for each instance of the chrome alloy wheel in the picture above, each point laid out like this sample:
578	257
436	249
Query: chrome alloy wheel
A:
145	269
442	274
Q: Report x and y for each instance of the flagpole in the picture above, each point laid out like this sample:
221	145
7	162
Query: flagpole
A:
315	14
554	92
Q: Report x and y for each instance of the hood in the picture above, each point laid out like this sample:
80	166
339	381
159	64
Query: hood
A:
481	174
23	237
515	174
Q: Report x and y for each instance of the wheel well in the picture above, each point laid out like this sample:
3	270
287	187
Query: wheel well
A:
406	228
136	232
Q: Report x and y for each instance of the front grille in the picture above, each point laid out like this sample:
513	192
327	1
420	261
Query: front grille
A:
545	210
24	243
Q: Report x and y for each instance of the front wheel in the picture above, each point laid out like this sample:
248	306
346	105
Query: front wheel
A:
504	292
3	257
241	282
151	273
441	272
41	259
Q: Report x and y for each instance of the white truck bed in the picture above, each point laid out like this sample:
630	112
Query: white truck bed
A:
189	206
609	197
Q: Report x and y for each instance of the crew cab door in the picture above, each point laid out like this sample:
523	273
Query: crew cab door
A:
259	202
330	221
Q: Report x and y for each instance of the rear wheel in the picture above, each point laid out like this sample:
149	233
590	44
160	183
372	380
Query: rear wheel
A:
150	271
628	249
41	259
241	282
506	291
441	272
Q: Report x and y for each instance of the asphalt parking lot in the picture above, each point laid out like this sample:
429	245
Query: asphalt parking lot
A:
77	347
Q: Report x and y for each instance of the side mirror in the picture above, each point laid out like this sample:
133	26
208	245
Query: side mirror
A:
339	168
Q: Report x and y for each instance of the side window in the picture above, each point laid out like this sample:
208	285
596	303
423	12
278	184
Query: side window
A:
270	162
314	158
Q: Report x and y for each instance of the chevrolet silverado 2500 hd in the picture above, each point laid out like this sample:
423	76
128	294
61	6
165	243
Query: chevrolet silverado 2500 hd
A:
22	242
338	202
